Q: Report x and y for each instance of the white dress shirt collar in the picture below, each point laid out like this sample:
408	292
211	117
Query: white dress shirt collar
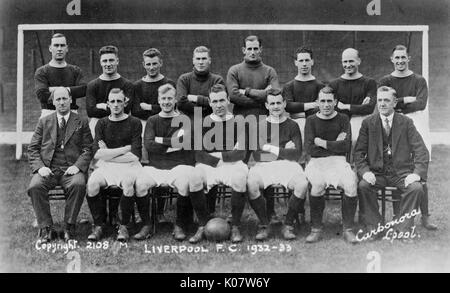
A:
59	116
390	118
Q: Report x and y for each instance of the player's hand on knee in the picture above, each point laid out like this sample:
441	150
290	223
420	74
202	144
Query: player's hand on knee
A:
411	178
45	172
72	170
370	178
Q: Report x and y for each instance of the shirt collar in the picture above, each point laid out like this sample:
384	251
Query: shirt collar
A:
106	77
299	78
216	118
55	64
390	118
66	117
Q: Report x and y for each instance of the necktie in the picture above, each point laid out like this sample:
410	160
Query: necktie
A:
62	123
387	127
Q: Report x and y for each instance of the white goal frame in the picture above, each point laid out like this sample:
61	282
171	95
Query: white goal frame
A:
22	137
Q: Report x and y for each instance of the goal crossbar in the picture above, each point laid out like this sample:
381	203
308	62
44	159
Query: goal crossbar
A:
21	28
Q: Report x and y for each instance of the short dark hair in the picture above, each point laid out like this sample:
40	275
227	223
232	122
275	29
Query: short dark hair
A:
109	50
217	88
400	48
274	92
202	49
152	52
58	35
252	38
117	91
304	49
165	88
327	90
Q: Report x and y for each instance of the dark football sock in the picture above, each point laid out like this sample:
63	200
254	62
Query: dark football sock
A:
143	206
294	206
184	209
270	202
198	201
317	205
237	207
259	206
126	209
97	206
211	200
348	211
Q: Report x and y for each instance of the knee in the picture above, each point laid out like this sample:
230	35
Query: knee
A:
239	182
253	187
142	185
364	185
94	185
195	180
78	182
350	188
416	188
182	186
300	188
317	190
93	188
128	187
35	187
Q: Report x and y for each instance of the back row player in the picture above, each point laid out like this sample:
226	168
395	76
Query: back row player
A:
247	83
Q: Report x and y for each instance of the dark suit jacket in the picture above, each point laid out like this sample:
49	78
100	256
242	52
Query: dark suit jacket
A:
409	153
77	142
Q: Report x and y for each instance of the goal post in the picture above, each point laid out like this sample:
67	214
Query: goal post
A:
23	137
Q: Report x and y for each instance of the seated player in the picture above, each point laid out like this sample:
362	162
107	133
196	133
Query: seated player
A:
399	159
277	163
59	154
327	142
169	165
220	160
146	101
117	147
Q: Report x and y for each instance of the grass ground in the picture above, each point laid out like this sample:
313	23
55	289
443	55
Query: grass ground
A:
18	252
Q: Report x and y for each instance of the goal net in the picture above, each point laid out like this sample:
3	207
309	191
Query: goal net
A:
177	41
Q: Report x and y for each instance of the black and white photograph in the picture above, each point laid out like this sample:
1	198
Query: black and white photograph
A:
224	136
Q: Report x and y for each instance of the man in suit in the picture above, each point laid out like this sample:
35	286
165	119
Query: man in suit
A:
59	154
390	151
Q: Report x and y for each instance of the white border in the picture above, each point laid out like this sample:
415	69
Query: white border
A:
167	26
